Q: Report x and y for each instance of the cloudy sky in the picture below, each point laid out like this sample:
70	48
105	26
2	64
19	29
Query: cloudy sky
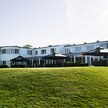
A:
46	22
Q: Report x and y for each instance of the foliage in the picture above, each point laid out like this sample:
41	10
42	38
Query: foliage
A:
3	66
27	46
81	87
100	63
75	64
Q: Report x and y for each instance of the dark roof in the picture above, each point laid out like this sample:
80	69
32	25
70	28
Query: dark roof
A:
35	57
73	54
97	52
19	58
15	46
54	56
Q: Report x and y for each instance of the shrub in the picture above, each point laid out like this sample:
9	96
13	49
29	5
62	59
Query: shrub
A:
14	66
75	64
100	63
3	66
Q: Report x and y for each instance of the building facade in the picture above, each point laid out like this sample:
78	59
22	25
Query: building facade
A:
9	52
74	53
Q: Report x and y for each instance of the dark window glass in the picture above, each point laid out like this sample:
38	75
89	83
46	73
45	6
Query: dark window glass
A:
3	51
102	45
29	52
16	51
43	51
78	49
4	62
36	52
67	50
90	47
52	50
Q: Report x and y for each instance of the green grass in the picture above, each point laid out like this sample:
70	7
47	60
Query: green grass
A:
85	87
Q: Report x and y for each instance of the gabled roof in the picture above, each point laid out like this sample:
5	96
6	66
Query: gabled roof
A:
54	56
97	52
19	58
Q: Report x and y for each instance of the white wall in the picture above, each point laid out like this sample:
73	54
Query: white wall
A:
7	57
83	47
58	49
23	52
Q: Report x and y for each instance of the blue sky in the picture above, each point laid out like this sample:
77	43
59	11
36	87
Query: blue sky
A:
46	22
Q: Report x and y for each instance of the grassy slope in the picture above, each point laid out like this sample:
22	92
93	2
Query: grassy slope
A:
54	88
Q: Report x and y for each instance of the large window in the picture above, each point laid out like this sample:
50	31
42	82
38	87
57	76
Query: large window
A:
102	45
16	51
36	52
4	62
105	45
90	47
67	50
29	52
78	49
10	51
52	50
3	51
43	51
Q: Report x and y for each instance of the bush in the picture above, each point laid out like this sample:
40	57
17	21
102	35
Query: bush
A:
63	65
100	63
15	66
3	66
75	64
54	65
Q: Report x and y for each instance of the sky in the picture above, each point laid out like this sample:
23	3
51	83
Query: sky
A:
52	22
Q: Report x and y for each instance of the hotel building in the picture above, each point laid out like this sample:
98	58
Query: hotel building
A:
76	53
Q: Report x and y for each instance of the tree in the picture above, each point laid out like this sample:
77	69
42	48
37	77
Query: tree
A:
27	46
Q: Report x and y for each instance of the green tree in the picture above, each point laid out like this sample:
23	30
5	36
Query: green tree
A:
27	46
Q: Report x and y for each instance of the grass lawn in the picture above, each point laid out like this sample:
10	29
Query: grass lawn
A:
76	87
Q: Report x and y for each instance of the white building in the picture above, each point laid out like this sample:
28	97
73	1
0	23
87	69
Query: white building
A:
9	52
74	52
44	51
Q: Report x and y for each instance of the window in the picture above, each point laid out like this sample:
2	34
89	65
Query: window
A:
3	51
10	51
29	52
52	50
107	45
4	62
67	50
16	51
77	49
43	51
36	52
102	45
90	47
